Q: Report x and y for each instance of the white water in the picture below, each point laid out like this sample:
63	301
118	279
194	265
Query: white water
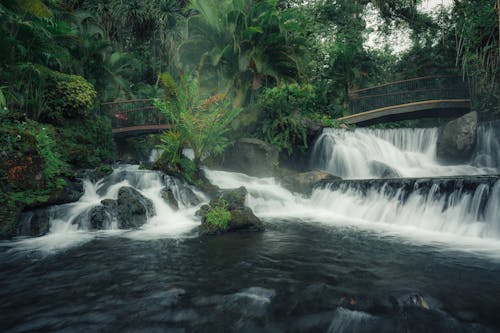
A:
65	231
466	219
350	154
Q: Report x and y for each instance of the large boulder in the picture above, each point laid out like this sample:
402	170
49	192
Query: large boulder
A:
132	208
304	182
252	157
382	170
457	139
241	217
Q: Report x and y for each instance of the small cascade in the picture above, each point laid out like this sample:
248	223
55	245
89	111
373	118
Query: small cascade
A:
396	153
458	207
149	184
487	153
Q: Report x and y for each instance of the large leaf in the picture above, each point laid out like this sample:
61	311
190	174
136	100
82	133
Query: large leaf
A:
35	8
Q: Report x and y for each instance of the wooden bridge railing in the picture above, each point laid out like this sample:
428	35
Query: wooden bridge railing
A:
408	91
132	113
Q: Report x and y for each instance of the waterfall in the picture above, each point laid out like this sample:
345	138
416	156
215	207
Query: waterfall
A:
368	153
75	216
487	153
451	207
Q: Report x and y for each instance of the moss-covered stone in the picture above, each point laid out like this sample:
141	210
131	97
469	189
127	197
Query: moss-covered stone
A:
227	212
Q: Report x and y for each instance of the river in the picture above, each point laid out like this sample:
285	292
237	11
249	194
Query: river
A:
412	255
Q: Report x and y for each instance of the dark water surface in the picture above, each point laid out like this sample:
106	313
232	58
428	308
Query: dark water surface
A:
295	277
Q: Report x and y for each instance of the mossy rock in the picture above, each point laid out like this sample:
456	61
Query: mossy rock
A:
230	207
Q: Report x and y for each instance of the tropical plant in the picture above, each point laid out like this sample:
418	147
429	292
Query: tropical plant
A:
201	124
285	109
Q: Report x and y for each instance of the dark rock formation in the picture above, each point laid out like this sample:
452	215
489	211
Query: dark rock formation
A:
132	208
169	198
100	218
382	170
34	223
242	217
457	139
305	182
252	157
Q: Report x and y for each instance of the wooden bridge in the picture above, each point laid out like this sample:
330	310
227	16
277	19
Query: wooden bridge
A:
134	117
424	97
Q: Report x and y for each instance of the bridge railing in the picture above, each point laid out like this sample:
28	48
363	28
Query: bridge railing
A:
408	91
130	113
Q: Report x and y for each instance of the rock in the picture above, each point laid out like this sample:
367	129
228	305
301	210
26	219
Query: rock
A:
252	157
109	203
457	139
34	223
132	208
169	198
304	182
382	170
100	218
242	217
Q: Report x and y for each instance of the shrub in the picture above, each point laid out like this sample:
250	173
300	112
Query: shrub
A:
218	217
72	96
86	143
284	109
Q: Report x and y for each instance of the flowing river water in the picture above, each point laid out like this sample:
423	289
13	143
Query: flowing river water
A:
416	254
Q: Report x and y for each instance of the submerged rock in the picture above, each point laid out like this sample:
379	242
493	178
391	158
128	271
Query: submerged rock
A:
241	217
457	139
304	182
252	157
382	170
133	209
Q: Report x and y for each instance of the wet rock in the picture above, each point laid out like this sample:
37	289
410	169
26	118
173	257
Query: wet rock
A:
168	196
457	139
382	170
241	217
252	157
133	209
100	218
34	223
109	203
188	195
305	182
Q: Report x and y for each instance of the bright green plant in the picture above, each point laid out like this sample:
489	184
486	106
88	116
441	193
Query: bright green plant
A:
201	124
218	217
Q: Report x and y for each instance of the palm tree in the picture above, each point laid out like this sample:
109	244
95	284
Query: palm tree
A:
243	42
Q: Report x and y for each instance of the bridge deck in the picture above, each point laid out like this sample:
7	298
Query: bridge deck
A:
422	109
142	129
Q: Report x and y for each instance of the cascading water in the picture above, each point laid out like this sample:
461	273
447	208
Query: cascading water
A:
70	222
487	153
451	209
368	153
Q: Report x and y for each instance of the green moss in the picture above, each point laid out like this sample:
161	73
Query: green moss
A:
217	217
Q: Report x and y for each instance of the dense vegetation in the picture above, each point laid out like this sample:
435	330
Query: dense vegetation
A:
222	69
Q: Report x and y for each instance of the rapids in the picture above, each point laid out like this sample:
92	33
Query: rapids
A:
360	255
